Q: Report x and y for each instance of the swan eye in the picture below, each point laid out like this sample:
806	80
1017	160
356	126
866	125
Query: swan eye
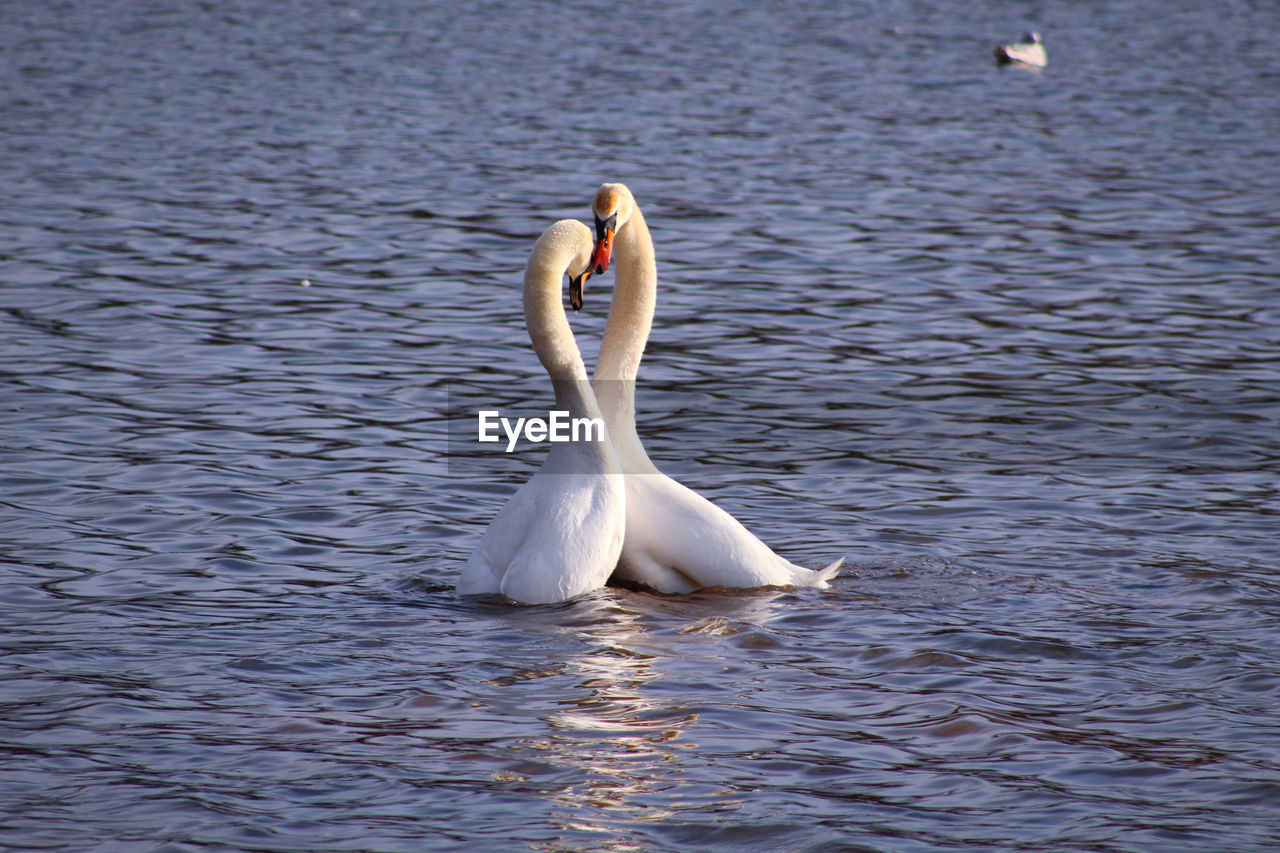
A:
609	223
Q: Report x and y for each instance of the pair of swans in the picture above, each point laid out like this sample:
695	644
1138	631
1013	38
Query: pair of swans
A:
614	513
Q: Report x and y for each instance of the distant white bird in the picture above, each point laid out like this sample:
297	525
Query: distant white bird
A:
1030	51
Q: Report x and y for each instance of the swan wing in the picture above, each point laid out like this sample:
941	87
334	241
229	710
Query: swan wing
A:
559	536
678	541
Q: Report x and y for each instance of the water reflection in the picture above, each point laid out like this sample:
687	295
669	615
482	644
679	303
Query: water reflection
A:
623	743
617	752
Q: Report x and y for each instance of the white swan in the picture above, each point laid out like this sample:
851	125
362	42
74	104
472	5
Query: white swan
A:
560	534
676	540
1029	52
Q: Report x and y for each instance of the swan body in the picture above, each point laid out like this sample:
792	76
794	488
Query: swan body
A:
676	540
561	533
1030	52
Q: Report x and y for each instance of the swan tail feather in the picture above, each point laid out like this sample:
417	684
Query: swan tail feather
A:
822	576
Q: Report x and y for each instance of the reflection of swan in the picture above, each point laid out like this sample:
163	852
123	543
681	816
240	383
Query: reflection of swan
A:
613	754
560	534
676	540
1030	51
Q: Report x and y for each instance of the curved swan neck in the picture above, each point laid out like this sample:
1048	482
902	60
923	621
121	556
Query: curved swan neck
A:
635	294
544	313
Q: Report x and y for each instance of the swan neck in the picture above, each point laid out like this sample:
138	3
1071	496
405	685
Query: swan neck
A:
635	293
544	315
575	396
634	298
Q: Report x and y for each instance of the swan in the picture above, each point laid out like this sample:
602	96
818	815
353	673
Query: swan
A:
676	540
561	533
1029	52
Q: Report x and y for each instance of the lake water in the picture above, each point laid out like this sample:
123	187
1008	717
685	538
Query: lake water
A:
1009	342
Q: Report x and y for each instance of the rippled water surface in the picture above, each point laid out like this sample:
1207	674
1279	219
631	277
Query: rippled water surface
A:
1009	342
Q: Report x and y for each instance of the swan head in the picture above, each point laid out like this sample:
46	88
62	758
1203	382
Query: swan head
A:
565	248
611	208
579	268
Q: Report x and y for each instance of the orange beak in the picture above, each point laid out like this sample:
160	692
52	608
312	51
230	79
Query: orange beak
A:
603	252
